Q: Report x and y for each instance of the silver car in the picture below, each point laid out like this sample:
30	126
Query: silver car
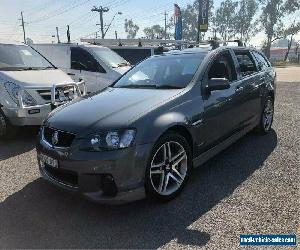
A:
30	88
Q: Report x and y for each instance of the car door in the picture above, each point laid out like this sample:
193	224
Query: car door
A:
85	67
219	115
248	91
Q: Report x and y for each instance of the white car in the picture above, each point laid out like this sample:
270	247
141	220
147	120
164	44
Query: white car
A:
97	66
30	88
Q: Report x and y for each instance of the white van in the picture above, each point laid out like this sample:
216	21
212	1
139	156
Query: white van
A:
30	87
97	66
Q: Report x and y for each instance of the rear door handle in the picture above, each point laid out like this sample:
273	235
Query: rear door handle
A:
71	74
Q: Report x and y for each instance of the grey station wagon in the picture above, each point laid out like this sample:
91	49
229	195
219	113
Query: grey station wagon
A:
143	135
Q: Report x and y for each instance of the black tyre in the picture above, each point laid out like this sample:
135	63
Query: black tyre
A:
267	115
7	131
169	167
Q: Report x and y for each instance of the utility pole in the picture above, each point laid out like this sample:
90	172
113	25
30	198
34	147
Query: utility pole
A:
165	25
23	25
57	35
101	10
116	34
199	16
68	34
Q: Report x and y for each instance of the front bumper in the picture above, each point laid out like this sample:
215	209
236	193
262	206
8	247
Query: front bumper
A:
83	172
34	115
30	116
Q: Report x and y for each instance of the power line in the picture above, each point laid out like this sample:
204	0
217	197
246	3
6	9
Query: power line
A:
59	13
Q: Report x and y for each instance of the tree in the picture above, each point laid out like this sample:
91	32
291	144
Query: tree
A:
244	25
224	19
155	31
131	28
273	12
292	30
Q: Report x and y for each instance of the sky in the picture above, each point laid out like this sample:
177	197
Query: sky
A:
43	16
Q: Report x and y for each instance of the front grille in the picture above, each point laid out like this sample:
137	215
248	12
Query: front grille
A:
62	94
64	176
64	139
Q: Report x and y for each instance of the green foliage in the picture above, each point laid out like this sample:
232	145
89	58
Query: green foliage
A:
273	13
245	26
131	28
153	32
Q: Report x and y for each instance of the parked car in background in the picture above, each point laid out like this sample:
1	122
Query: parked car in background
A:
97	66
30	88
135	50
170	113
136	54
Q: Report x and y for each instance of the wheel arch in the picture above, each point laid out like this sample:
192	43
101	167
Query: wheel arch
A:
183	131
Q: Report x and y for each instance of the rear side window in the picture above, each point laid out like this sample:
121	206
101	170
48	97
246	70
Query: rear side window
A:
82	60
261	60
246	63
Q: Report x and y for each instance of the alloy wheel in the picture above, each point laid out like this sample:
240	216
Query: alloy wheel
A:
168	168
268	115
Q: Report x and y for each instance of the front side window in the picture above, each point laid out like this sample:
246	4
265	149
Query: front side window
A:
246	62
223	67
173	71
21	57
82	60
261	60
132	55
109	57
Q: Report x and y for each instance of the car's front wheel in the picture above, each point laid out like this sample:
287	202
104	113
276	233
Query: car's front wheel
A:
6	129
267	116
169	167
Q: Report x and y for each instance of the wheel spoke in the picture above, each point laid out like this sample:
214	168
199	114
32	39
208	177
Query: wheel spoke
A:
161	183
166	182
181	153
180	159
178	181
178	174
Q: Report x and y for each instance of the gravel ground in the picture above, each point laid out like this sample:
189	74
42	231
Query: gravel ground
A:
252	187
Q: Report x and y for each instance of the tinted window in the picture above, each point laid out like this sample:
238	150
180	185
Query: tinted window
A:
246	62
134	56
223	67
82	60
174	71
18	57
109	57
261	60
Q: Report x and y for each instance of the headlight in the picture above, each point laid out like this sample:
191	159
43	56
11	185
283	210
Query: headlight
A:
27	99
16	92
110	140
13	90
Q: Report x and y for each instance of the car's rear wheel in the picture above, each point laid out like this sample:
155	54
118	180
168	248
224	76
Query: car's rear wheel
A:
169	167
267	116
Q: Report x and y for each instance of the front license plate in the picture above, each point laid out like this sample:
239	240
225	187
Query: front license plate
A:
48	160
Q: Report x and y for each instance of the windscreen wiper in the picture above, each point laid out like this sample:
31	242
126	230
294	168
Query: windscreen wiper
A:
150	86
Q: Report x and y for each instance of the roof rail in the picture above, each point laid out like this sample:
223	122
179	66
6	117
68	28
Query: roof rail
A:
134	42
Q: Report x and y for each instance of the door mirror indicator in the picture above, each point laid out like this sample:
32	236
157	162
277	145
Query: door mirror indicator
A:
217	84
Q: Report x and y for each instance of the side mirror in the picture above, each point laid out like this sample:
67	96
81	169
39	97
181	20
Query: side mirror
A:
218	84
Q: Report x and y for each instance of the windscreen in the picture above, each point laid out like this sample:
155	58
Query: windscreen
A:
110	57
172	71
21	57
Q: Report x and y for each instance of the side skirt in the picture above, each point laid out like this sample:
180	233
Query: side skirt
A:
198	161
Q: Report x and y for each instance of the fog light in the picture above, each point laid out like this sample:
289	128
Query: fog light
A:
108	185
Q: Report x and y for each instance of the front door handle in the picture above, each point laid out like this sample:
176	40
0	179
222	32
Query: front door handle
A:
71	74
239	89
